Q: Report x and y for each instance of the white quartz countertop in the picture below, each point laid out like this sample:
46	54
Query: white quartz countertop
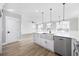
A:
74	35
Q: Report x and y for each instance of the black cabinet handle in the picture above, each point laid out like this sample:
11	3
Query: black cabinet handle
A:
8	32
46	42
60	39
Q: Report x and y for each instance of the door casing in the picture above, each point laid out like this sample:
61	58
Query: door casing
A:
13	15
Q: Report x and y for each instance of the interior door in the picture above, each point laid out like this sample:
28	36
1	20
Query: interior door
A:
13	27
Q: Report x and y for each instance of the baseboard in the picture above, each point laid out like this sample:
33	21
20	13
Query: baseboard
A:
10	42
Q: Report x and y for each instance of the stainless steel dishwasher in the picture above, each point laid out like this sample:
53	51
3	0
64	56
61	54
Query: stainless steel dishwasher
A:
62	45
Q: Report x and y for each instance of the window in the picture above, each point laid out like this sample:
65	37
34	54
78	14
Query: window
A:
62	26
40	28
48	26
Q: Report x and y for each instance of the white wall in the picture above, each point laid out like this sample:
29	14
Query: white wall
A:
74	24
27	28
29	13
1	6
0	35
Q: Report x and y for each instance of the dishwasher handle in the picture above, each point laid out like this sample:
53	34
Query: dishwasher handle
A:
60	39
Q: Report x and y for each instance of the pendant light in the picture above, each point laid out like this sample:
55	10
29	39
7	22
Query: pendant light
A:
50	19
50	15
64	11
42	20
42	17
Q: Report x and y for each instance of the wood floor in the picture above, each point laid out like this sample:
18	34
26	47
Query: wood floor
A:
25	47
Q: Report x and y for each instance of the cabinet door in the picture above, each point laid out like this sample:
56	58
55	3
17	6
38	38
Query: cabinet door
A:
50	45
38	41
43	42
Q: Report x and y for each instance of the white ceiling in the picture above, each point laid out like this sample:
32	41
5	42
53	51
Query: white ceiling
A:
32	11
1	5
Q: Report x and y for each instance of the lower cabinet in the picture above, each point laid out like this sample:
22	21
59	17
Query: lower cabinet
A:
50	45
43	44
46	43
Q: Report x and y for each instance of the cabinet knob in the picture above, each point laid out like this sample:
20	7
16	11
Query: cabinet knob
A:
8	32
46	42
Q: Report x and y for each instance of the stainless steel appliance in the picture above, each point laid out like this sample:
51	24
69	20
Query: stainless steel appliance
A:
62	45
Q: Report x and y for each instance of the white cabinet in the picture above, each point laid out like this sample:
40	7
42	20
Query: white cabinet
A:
43	42
50	45
46	43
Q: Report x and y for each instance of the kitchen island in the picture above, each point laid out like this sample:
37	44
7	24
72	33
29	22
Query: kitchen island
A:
45	40
69	42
